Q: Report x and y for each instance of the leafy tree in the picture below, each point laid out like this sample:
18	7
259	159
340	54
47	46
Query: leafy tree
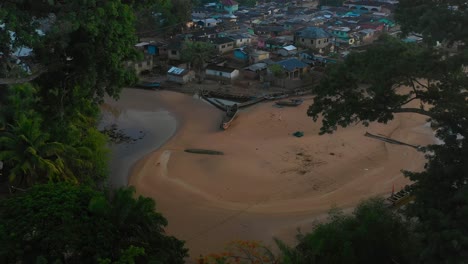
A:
83	150
367	87
372	234
197	54
163	16
75	224
277	71
29	155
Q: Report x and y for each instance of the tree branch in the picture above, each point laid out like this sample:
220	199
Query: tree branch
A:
422	85
22	80
409	100
412	110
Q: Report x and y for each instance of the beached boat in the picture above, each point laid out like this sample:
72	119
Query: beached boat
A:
292	102
276	96
149	85
204	151
231	114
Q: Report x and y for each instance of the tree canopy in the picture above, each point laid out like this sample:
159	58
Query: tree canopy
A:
377	84
63	223
372	234
197	54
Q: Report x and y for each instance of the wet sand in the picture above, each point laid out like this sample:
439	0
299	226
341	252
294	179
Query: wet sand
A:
269	182
147	125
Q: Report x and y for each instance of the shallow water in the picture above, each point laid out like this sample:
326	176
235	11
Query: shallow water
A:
148	130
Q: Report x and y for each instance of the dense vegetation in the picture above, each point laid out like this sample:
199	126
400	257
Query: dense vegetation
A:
367	88
64	223
54	157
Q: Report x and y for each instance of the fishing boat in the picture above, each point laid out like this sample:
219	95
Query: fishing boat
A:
292	102
149	85
204	151
276	96
231	114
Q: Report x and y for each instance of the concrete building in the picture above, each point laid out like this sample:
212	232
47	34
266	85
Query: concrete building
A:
179	75
216	72
293	68
286	51
312	37
259	55
223	44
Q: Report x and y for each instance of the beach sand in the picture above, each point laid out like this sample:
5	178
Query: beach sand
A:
268	183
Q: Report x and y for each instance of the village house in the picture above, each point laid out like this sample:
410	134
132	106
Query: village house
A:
221	73
240	39
207	22
312	37
146	64
370	6
223	44
293	68
366	35
254	71
241	54
199	13
340	32
174	49
203	34
287	51
259	55
179	75
278	42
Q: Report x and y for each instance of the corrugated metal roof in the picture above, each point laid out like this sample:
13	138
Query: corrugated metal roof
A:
175	70
290	48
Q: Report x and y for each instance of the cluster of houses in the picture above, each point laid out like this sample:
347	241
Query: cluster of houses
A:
299	36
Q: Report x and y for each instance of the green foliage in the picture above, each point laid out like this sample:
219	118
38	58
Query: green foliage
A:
373	234
30	157
164	16
77	150
197	53
443	21
277	70
75	224
21	100
367	88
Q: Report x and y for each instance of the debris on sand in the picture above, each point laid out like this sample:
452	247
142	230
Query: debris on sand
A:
298	134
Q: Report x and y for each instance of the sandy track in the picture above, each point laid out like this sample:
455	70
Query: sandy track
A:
268	183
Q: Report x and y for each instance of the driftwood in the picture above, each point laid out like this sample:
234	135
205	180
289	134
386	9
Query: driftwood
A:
391	141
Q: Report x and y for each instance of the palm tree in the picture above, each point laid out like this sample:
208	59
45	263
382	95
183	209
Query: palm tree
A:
30	156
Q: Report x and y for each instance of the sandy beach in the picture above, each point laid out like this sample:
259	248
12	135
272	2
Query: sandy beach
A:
268	183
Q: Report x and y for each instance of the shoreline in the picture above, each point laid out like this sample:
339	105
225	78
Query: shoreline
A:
135	122
268	183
